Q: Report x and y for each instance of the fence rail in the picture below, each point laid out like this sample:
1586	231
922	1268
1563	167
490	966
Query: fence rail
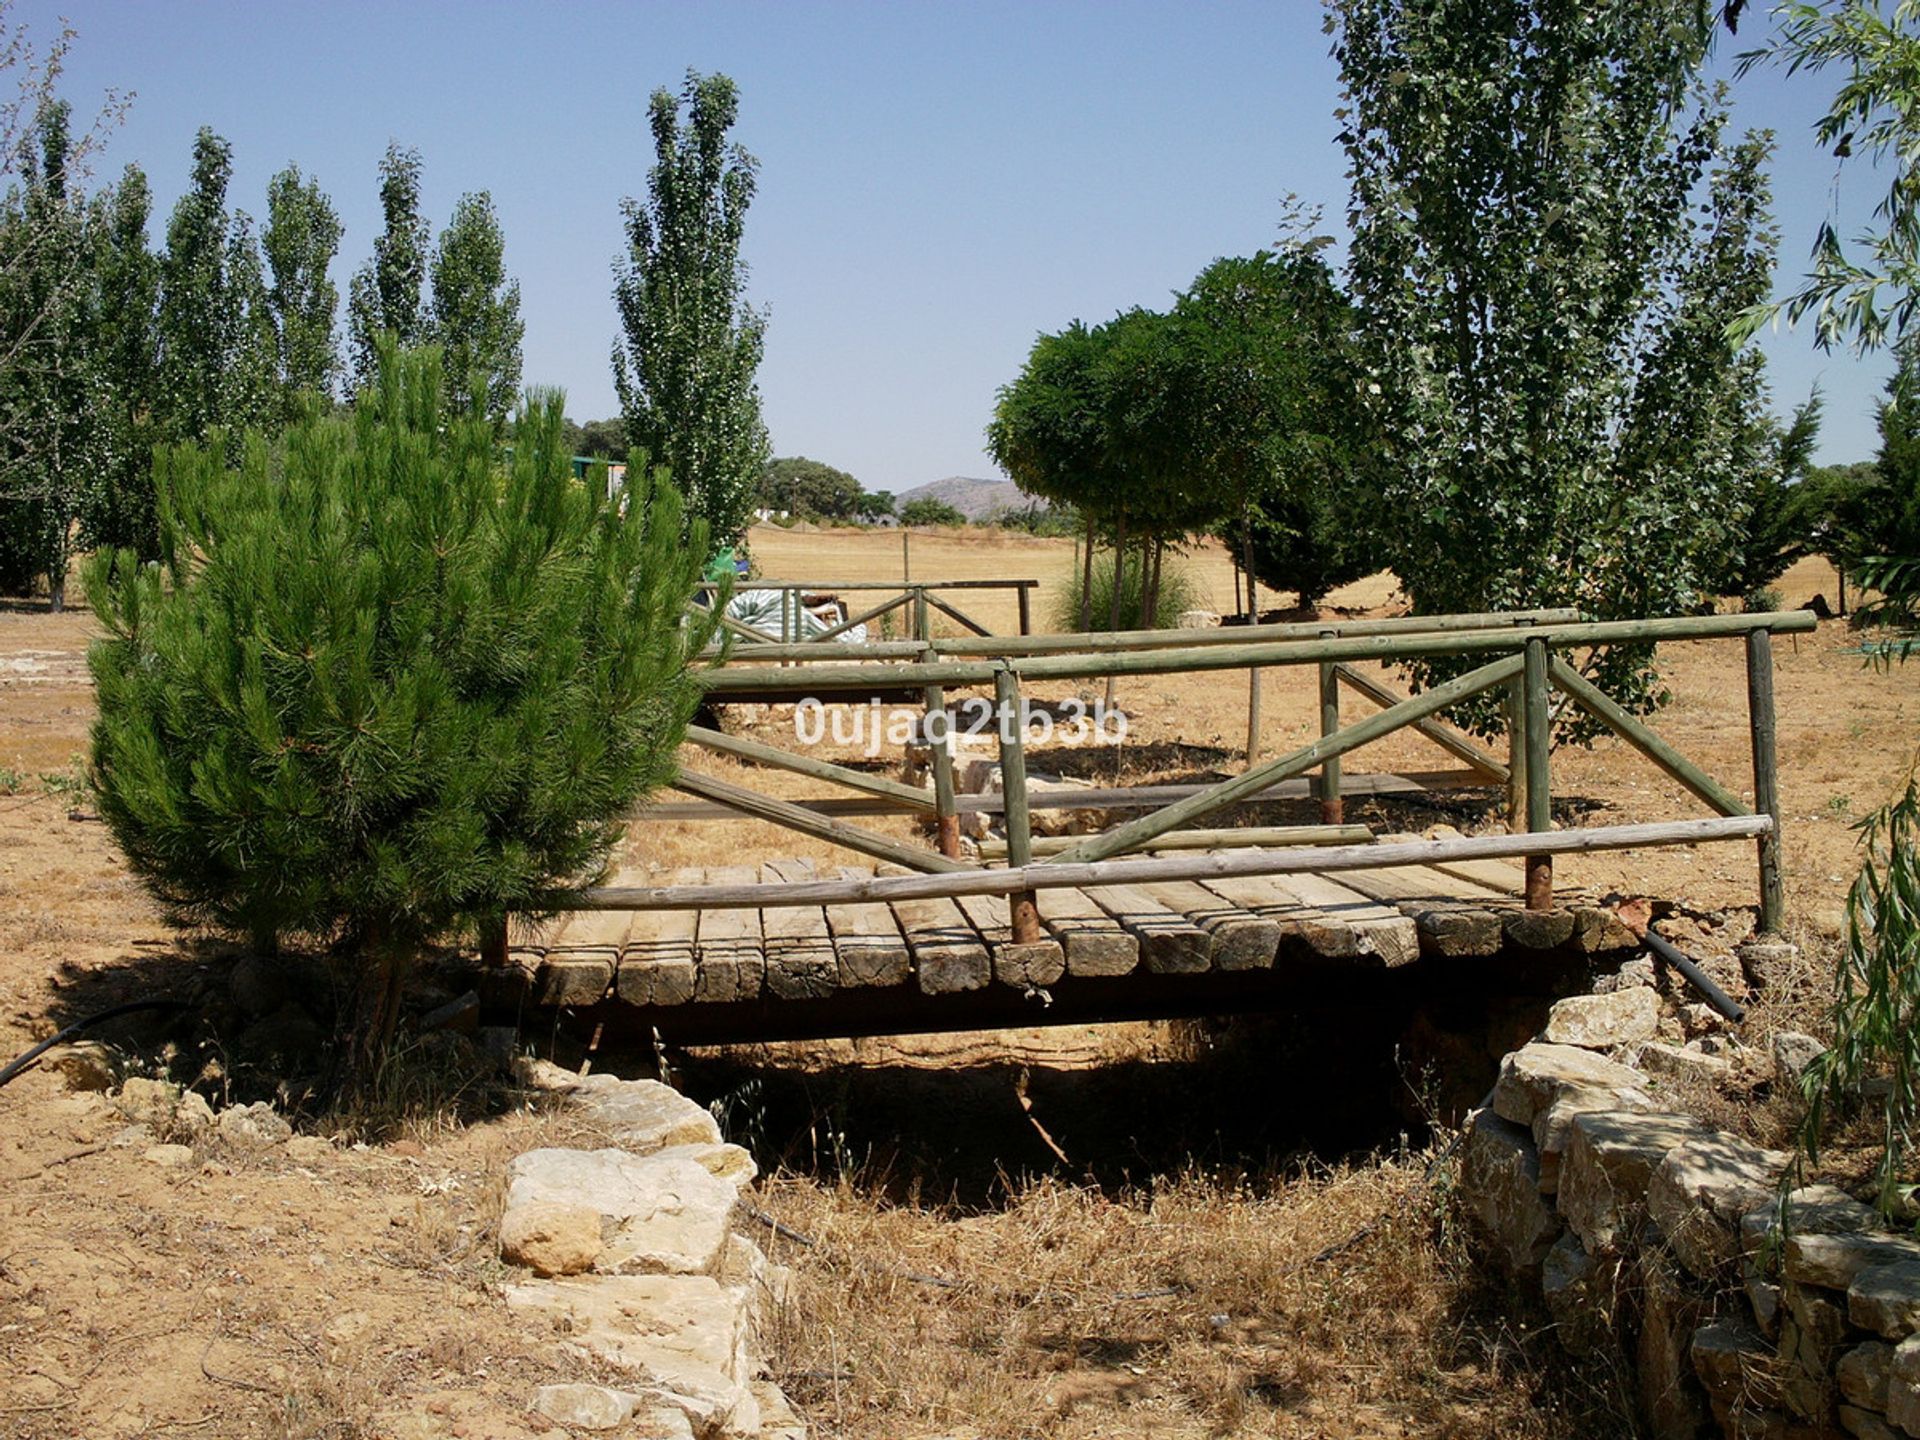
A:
1052	874
1521	659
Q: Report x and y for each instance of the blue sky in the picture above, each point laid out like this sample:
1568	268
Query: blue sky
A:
938	183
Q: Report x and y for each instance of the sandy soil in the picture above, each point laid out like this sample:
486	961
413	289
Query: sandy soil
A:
243	1295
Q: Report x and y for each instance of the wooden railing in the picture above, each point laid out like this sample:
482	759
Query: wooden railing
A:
1521	658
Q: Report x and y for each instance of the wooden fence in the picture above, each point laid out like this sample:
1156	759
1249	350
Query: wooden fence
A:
1522	657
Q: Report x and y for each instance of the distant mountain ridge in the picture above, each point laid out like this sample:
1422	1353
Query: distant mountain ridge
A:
974	498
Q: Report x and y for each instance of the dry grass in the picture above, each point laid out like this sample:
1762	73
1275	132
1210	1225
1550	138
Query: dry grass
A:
1199	1308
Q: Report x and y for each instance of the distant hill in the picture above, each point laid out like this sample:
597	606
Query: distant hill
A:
974	498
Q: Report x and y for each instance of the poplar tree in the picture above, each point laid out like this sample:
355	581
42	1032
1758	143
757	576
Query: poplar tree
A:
1549	240
201	320
476	308
120	510
385	293
685	365
384	686
49	400
302	237
254	391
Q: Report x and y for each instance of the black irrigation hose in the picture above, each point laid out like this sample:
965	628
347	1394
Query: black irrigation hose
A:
25	1061
1664	950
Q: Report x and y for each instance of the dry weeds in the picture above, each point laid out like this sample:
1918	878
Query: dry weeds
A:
1201	1307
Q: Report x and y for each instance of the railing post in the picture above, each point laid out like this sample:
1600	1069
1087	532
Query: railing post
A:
946	813
1023	910
1025	592
1332	810
1534	704
1766	786
1253	713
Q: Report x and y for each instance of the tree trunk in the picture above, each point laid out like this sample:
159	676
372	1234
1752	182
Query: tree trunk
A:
57	571
1246	562
383	979
1086	581
1151	609
1113	603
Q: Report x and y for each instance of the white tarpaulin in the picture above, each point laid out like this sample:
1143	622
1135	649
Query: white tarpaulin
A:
761	610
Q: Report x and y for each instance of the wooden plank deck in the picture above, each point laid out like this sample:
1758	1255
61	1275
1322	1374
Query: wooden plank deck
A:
1169	946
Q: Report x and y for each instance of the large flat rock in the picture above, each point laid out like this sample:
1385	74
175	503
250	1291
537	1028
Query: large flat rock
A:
1701	1192
1608	1162
643	1115
1553	1126
1536	1075
662	1214
684	1336
1599	1022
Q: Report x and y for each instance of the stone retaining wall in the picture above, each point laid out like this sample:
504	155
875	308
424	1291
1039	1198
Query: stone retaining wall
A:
1652	1237
628	1256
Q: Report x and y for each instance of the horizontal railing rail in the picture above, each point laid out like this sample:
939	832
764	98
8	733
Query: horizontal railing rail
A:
1412	646
1111	640
1520	658
1195	865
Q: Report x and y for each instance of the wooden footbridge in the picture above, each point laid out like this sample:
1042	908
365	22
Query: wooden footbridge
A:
1149	917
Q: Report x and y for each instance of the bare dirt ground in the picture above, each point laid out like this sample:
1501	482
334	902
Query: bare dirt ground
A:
353	1292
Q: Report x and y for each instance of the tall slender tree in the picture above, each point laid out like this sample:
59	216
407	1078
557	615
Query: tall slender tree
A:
476	308
50	440
1048	432
302	237
256	396
1544	302
385	294
685	366
200	317
120	505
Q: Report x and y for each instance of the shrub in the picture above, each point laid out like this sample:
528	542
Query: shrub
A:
1762	599
1177	593
383	685
928	511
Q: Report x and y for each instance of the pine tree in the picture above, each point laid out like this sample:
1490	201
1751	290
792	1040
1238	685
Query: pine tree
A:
302	237
381	688
684	369
385	293
476	309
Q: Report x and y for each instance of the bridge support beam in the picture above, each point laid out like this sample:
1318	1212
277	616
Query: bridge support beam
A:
1023	910
939	735
1534	704
1332	810
1766	785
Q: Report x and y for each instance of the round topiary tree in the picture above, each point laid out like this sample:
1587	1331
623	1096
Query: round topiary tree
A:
387	682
